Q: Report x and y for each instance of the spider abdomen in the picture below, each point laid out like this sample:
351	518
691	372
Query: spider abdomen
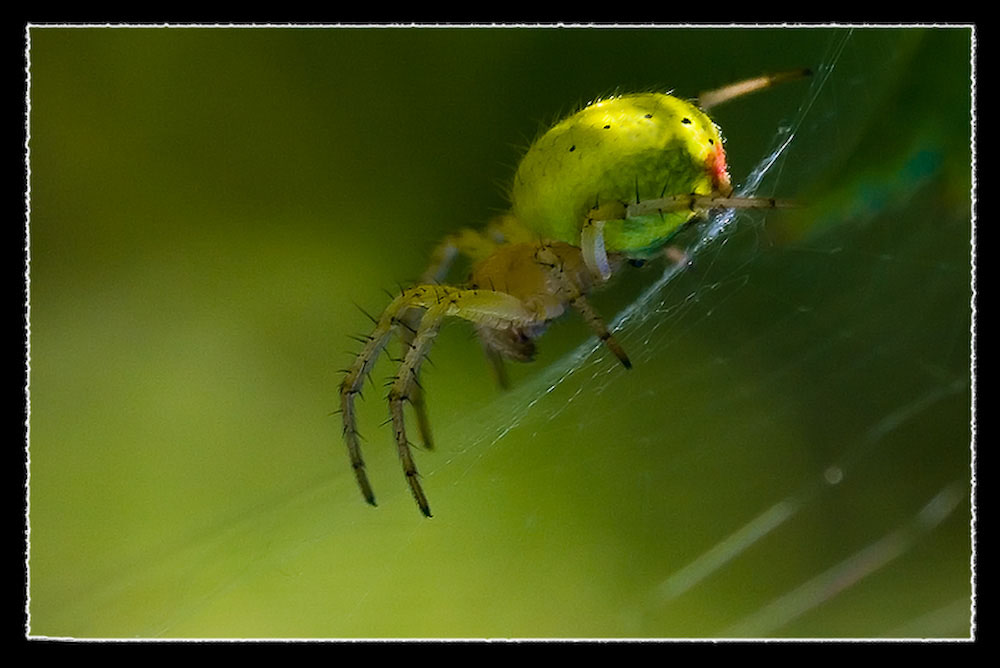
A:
623	149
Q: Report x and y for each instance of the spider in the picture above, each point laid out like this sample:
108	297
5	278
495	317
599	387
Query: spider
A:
611	183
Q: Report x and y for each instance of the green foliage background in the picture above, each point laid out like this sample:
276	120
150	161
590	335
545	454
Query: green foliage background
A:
208	205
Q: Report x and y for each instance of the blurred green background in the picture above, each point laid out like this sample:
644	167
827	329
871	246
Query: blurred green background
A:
790	456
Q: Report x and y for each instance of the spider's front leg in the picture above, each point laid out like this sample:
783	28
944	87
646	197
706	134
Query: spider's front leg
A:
397	316
475	245
351	386
405	388
483	307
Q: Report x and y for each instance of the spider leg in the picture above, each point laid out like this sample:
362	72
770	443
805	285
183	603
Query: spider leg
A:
475	245
701	203
468	242
408	324
596	323
482	307
496	362
351	385
605	218
714	98
423	422
574	290
405	306
404	388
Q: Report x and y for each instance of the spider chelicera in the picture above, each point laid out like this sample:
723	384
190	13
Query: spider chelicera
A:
614	182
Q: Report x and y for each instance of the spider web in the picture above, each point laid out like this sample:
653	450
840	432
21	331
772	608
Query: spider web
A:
789	456
864	361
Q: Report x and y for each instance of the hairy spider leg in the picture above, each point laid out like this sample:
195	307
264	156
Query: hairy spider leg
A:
408	322
594	228
484	307
475	245
548	256
487	309
405	388
598	221
737	89
703	203
351	385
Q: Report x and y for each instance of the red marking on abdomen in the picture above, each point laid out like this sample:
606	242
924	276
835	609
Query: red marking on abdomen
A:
718	169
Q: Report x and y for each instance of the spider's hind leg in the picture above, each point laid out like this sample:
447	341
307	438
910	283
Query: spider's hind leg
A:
405	388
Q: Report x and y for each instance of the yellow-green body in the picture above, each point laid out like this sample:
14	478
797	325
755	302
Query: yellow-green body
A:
620	150
613	181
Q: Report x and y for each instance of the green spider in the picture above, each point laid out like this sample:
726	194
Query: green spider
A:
611	183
